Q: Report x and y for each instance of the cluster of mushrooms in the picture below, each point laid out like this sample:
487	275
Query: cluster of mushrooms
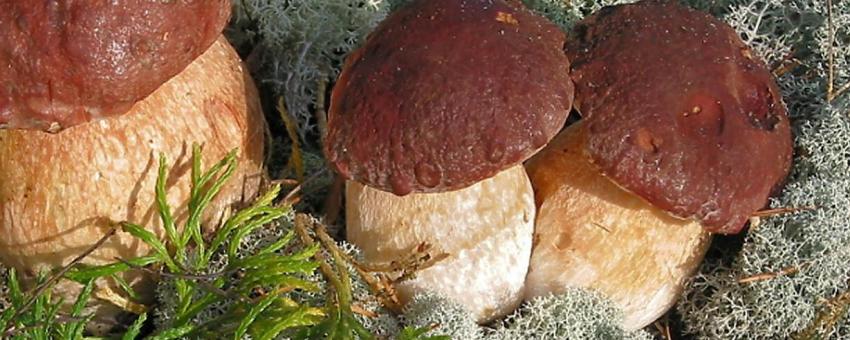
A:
91	93
683	133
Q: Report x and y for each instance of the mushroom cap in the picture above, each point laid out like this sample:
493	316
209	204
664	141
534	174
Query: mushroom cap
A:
445	93
67	62
680	111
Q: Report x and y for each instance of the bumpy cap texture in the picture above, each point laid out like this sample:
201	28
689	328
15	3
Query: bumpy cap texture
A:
67	62
680	111
445	93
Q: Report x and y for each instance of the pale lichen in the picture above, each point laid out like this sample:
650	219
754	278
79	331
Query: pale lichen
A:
573	314
447	317
4	290
302	43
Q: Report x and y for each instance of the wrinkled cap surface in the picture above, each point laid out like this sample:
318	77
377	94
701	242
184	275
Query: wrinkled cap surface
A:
445	93
680	111
67	62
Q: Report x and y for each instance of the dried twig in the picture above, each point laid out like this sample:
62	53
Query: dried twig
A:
107	294
830	84
321	113
663	327
333	201
296	160
301	221
200	279
386	292
61	273
301	230
831	92
422	259
840	91
833	312
786	66
780	211
419	259
768	276
601	226
363	311
291	197
191	277
379	284
12	331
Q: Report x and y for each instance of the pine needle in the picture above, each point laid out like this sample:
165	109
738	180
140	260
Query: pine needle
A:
780	211
771	275
830	82
107	294
321	113
51	281
296	159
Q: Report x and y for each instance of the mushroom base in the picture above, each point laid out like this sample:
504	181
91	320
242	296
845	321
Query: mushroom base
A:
485	229
592	234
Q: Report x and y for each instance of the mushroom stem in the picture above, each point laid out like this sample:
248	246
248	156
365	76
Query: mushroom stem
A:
593	234
485	229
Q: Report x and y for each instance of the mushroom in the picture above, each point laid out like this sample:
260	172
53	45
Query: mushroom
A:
430	121
59	190
684	134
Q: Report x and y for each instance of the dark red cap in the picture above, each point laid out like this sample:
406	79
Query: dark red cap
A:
66	62
445	93
680	111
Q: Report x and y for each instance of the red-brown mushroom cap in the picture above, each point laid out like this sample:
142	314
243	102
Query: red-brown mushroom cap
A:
680	111
445	93
66	62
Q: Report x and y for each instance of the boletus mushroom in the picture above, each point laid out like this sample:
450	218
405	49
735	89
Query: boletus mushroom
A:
430	121
683	134
74	68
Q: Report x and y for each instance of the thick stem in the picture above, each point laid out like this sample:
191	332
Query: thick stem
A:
485	229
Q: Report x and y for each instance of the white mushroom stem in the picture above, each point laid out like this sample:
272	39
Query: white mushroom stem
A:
591	233
59	191
485	229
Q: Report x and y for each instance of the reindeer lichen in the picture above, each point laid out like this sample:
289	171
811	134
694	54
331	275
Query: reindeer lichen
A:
451	319
574	314
4	290
302	43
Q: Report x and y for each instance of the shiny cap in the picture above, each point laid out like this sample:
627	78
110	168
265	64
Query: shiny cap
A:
445	93
680	111
67	62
